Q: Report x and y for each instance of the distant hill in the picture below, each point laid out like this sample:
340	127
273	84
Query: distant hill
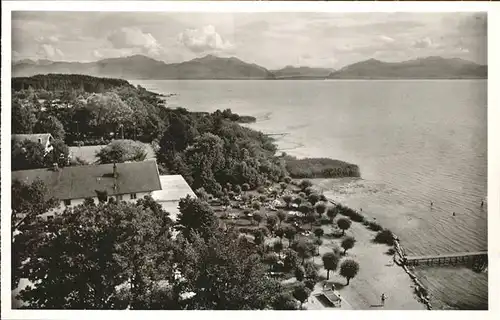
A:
141	67
290	72
422	68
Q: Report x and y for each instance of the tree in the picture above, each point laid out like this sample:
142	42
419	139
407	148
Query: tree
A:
109	112
270	259
259	237
348	243
331	212
195	216
308	191
311	270
274	193
297	200
23	117
226	274
313	198
287	180
320	208
310	217
305	208
319	232
310	284
257	217
271	222
284	301
301	293
27	155
305	184
59	154
96	250
278	247
290	260
280	233
256	205
50	124
288	199
299	273
349	269
318	242
122	150
305	249
245	187
330	263
344	224
281	216
283	186
237	189
290	233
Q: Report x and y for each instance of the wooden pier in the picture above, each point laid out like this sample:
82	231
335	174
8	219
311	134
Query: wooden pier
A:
477	259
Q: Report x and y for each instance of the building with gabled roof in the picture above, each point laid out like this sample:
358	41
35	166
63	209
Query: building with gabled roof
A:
44	139
72	185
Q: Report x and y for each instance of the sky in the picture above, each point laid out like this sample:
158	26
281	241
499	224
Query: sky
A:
273	40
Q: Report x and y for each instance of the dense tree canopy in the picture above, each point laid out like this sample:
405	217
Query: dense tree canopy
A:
122	150
96	249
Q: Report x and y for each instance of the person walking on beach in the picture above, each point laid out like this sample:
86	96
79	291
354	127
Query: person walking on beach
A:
453	213
482	203
383	297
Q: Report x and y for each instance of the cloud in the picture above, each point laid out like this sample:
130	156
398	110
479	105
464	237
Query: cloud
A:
130	38
423	43
386	39
97	54
49	51
204	39
47	40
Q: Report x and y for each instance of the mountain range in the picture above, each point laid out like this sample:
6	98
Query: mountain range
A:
140	67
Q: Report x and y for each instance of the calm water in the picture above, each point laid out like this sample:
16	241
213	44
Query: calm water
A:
415	142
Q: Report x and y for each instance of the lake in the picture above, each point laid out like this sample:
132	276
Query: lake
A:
416	142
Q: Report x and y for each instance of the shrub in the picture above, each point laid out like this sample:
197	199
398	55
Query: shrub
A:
372	225
324	221
299	273
261	189
262	198
320	168
318	232
385	236
256	205
246	230
305	184
309	190
245	187
310	283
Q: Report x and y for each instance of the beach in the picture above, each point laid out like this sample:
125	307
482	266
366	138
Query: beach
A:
377	274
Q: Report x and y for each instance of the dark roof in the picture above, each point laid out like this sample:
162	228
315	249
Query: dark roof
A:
43	138
82	181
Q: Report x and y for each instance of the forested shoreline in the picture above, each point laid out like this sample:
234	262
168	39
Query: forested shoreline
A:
136	260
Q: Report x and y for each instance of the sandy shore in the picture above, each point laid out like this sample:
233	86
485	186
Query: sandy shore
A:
378	274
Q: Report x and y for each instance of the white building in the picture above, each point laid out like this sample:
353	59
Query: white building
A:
173	188
45	139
